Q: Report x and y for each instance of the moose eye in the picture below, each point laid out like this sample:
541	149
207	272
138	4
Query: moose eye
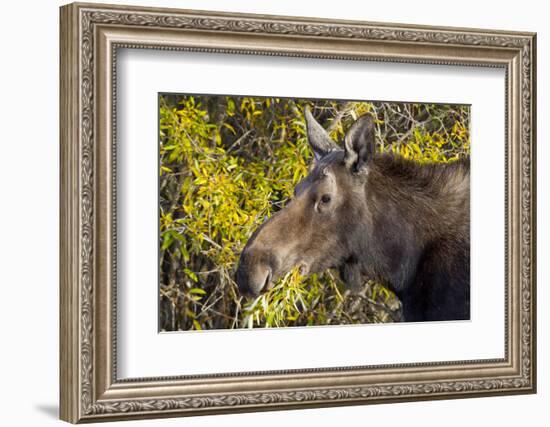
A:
325	198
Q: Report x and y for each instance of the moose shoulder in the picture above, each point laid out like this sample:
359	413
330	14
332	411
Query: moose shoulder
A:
372	216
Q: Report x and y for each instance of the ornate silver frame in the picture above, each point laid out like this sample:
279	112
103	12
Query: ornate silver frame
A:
90	36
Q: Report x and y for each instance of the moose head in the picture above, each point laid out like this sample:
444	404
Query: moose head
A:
320	227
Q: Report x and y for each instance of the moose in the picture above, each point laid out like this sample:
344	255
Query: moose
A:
371	215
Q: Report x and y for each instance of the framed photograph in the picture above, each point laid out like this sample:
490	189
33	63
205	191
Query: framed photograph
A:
267	212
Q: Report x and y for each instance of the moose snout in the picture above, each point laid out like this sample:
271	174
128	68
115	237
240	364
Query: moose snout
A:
254	273
253	279
264	257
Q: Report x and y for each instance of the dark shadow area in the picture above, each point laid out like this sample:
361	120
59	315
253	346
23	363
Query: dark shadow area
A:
50	410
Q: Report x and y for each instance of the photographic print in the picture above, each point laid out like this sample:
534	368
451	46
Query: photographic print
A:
271	215
278	212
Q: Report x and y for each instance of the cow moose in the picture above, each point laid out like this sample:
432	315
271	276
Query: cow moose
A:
372	215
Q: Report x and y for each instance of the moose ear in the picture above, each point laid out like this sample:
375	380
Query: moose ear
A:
318	138
359	144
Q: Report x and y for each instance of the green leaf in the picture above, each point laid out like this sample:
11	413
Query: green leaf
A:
197	325
192	275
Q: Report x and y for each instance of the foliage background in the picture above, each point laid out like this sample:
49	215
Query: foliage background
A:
229	162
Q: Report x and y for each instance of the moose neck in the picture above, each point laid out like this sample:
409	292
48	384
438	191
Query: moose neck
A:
405	204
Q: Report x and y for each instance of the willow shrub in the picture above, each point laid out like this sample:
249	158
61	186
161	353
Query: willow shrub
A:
227	163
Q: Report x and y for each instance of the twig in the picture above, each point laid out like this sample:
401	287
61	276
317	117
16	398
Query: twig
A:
239	140
204	236
338	118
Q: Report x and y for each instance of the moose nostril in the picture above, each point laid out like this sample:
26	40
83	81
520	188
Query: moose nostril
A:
253	279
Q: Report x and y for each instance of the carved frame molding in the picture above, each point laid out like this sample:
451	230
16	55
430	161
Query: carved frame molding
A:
90	37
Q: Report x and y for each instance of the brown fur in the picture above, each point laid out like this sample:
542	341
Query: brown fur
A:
372	216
